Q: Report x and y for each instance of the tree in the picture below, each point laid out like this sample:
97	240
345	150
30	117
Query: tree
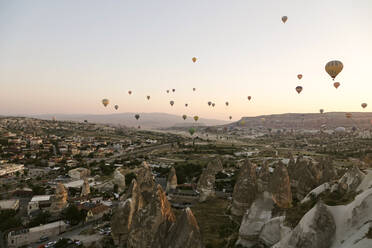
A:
73	215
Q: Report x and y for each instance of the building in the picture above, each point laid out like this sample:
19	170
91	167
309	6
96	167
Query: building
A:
32	235
39	202
10	169
12	204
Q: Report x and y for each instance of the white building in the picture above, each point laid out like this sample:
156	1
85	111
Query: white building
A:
12	204
9	169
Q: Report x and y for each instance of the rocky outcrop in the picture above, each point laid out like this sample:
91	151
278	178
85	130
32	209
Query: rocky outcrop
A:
207	180
280	186
273	231
245	189
254	220
185	232
316	229
85	189
119	179
172	180
145	219
59	200
351	179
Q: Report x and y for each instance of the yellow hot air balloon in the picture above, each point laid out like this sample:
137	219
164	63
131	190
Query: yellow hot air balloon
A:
284	19
333	68
196	118
194	59
184	117
105	102
299	89
116	107
364	105
171	103
242	122
299	76
336	85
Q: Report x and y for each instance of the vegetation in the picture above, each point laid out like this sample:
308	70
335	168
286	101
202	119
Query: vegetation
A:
73	215
9	220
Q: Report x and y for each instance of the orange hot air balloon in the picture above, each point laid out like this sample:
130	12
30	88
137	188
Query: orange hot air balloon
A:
249	98
284	19
130	92
116	107
299	76
148	97
105	102
184	117
336	85
194	59
348	115
196	118
333	68
171	103
364	105
299	89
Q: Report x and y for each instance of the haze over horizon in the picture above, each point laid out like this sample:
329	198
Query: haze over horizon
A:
65	57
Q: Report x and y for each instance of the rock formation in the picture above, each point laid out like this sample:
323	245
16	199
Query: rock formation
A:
245	189
316	229
207	180
145	219
119	179
85	189
280	186
172	180
351	179
59	200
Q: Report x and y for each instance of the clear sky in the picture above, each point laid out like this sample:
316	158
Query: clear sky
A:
65	56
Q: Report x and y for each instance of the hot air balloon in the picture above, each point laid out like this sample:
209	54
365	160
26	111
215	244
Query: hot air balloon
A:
86	121
209	103
333	68
364	105
137	116
284	19
116	107
213	104
194	59
184	117
186	105
299	89
230	117
171	103
174	90
148	97
196	118
193	89
105	102
130	92
167	91
348	115
249	98
299	76
139	127
242	122
336	85
321	111
192	131
227	103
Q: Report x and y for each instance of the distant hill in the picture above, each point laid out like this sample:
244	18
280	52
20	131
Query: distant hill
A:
307	121
147	120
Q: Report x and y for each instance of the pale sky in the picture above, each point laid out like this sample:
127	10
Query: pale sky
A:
66	56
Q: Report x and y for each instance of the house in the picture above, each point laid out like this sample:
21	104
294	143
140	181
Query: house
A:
39	202
12	204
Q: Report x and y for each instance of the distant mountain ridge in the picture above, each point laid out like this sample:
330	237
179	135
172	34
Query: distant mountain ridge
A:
308	121
147	120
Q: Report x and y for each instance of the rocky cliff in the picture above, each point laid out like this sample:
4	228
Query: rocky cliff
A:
280	186
119	179
172	180
207	180
145	218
